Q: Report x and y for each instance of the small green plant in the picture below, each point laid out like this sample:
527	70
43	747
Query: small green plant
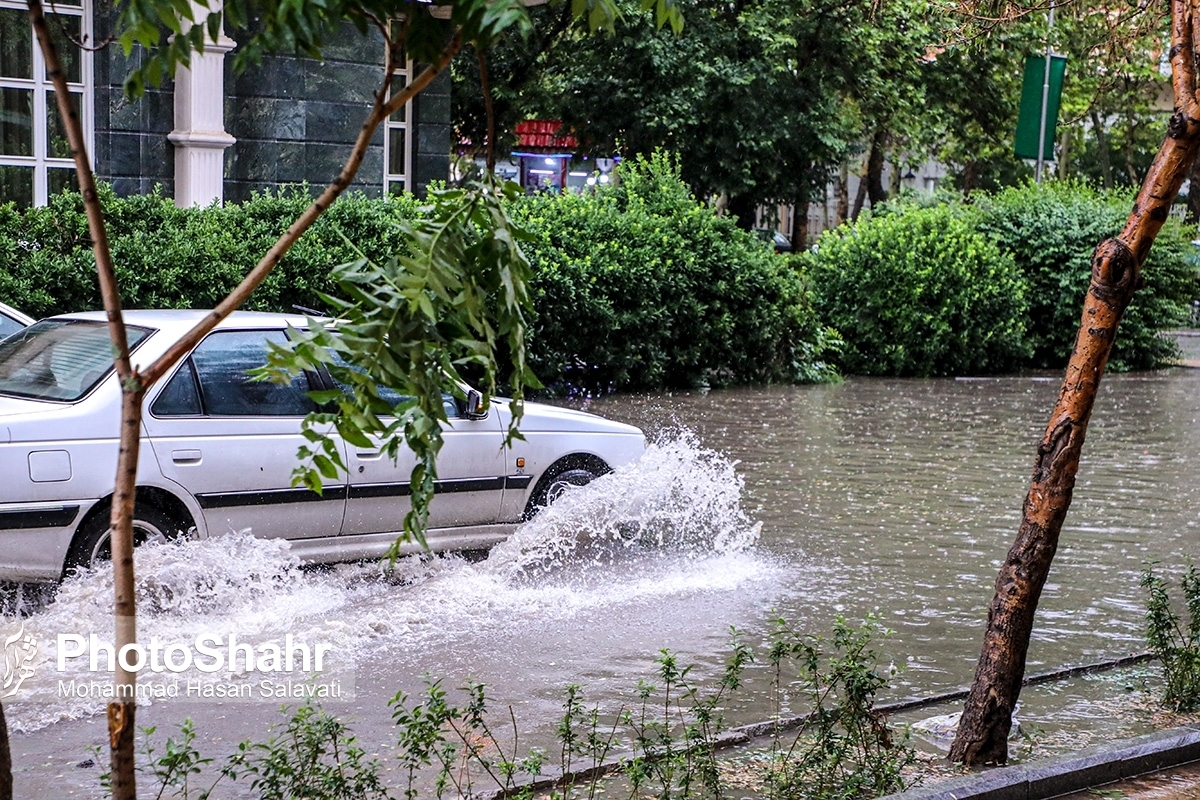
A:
665	745
1177	646
674	730
315	758
844	750
179	764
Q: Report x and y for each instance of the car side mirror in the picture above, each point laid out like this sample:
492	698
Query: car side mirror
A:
475	406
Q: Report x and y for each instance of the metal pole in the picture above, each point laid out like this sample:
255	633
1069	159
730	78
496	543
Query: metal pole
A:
1041	159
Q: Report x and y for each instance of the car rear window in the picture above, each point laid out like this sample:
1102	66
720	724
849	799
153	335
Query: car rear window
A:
59	359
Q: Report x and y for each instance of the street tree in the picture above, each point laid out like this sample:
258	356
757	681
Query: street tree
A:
982	736
457	297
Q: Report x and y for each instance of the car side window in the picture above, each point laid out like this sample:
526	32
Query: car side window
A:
180	397
393	397
222	361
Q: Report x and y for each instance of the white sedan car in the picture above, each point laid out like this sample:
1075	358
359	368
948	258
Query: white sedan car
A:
12	320
218	452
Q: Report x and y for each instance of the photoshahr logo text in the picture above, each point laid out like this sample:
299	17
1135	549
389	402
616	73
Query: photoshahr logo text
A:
19	651
207	653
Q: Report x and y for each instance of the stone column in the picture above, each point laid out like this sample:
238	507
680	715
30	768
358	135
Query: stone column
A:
199	135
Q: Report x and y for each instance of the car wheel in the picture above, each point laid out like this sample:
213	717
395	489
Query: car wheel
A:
556	482
93	543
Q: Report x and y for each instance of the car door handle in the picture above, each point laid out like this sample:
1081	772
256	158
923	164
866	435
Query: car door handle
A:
186	456
368	456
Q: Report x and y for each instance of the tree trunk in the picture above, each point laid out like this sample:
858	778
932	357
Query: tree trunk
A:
1131	150
799	235
1116	274
970	176
875	188
743	209
843	195
6	789
1064	151
1102	150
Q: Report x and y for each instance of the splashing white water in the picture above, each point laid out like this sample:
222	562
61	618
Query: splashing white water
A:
678	496
668	525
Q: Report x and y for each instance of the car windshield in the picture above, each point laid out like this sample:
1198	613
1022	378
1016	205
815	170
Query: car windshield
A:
59	359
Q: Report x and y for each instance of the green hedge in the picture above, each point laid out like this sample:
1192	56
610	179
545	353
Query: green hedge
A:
938	287
917	291
638	286
1050	231
168	257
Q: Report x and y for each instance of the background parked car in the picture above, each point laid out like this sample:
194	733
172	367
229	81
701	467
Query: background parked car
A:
219	451
12	320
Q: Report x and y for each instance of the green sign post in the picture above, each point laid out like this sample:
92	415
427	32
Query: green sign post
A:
1030	120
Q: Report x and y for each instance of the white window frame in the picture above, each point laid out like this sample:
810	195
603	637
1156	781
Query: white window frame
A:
389	125
43	87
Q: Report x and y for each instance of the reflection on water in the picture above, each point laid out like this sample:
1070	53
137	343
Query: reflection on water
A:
902	498
893	497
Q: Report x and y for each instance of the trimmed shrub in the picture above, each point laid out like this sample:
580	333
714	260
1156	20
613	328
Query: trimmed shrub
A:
917	291
638	285
1051	231
166	257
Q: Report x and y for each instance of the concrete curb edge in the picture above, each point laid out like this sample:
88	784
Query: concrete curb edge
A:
1088	768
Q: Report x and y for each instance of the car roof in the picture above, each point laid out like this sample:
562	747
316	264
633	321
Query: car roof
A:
178	321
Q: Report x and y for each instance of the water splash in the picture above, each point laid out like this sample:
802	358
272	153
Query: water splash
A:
667	525
679	497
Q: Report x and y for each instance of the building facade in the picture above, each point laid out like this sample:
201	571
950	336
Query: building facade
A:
209	134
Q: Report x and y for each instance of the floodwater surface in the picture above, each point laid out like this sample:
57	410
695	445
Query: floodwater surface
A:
897	498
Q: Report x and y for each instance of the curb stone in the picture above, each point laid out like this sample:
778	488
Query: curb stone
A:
1090	767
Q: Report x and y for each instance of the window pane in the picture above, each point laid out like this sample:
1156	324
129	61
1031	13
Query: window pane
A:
180	397
398	84
8	326
16	44
65	32
61	179
16	122
396	187
57	145
396	142
16	185
222	361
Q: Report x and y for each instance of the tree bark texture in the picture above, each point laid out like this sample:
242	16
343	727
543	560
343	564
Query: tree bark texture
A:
6	788
1116	274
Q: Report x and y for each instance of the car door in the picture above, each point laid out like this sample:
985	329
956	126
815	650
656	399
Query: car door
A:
471	468
232	442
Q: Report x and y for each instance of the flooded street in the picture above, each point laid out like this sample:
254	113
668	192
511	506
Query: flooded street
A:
893	497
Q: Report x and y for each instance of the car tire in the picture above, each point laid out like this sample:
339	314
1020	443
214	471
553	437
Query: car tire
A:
557	480
92	542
